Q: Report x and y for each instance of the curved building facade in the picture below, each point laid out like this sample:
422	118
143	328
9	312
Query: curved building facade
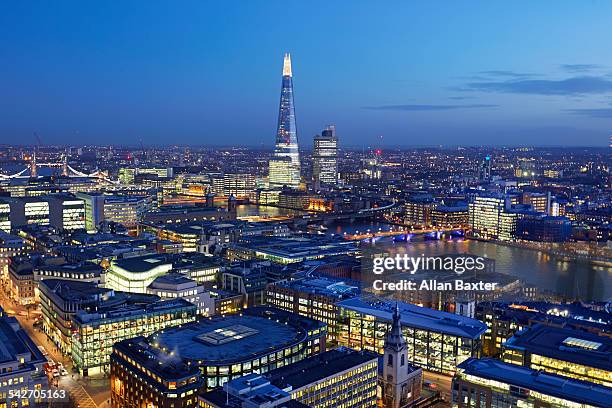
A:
256	341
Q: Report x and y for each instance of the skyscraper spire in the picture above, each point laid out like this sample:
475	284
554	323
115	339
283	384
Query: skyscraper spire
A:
285	163
287	65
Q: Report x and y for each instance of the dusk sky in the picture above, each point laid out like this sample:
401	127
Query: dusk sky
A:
209	73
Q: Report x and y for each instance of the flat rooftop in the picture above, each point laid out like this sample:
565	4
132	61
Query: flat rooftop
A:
142	263
549	384
565	344
71	290
172	278
224	340
418	317
167	366
14	342
221	399
319	367
322	286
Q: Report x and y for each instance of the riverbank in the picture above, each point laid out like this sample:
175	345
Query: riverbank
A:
562	254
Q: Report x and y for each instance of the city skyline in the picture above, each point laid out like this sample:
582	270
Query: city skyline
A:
405	75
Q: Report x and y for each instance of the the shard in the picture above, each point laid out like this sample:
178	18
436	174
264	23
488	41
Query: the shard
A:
285	163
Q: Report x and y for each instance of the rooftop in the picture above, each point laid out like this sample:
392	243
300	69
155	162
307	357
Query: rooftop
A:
74	291
143	263
418	317
322	286
15	343
166	365
564	344
549	384
238	337
319	367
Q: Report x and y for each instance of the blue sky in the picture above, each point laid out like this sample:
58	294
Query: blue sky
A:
201	72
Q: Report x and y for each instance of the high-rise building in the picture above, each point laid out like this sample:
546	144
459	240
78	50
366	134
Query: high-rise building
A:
285	163
484	173
325	158
484	216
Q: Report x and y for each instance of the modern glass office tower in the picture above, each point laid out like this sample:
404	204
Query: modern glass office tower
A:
285	162
325	158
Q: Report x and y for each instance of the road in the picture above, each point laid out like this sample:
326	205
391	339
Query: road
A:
70	382
443	385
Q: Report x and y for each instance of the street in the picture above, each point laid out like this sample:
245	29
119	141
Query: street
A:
87	393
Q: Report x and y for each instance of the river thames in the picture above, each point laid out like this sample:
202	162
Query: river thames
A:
573	279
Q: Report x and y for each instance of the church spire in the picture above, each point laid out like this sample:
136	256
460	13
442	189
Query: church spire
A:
394	338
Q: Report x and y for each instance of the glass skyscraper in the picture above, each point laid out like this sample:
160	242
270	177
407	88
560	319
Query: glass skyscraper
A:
325	158
285	162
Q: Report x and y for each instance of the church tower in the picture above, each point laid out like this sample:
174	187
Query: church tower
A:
396	370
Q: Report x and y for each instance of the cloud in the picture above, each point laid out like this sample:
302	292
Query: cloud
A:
579	67
460	98
605	113
429	107
581	85
506	73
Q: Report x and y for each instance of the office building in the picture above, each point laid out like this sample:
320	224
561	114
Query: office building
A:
437	341
22	286
82	271
539	202
485	215
95	331
325	158
28	210
484	171
249	281
126	210
66	212
94	209
323	380
295	199
454	216
315	298
143	376
504	319
127	175
418	210
123	209
60	300
5	216
251	390
187	213
240	185
284	167
544	229
21	365
135	274
491	383
566	352
10	246
259	339
177	286
288	250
